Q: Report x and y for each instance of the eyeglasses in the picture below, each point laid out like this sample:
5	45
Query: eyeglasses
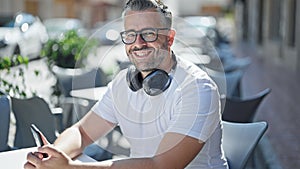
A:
147	34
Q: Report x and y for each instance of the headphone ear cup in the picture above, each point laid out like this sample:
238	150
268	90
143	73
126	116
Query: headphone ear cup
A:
156	82
134	79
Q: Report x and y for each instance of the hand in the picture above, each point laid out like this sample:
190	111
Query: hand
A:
56	159
46	157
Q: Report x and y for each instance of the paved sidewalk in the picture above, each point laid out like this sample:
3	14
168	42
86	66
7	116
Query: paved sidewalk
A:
280	108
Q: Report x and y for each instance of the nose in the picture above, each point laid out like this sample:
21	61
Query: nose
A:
139	39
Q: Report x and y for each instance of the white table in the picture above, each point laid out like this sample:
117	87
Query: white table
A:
89	93
16	159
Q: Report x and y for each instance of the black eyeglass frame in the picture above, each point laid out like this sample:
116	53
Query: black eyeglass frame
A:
140	33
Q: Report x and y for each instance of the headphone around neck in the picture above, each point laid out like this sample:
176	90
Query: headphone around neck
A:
154	83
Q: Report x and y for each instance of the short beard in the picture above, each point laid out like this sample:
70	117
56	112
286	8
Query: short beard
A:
160	54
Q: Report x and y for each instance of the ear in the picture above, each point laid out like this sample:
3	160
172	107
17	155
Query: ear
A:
172	33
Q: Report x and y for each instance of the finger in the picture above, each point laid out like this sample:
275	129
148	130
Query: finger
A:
33	159
28	165
50	150
40	155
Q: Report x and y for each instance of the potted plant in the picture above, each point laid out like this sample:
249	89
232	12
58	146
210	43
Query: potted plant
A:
68	51
12	77
65	56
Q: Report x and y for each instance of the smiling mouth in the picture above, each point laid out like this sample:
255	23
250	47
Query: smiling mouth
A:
142	53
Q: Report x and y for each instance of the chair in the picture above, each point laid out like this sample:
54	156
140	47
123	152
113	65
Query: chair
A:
240	140
237	64
37	111
71	79
227	82
4	122
243	110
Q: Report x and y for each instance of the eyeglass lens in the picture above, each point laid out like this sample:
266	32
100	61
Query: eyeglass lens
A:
148	35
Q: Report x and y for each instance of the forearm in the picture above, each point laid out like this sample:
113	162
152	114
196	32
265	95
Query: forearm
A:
175	151
90	128
71	141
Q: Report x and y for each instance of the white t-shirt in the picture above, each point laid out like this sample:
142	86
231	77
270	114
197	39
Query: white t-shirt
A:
190	106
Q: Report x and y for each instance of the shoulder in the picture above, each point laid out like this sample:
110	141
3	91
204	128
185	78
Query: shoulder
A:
188	75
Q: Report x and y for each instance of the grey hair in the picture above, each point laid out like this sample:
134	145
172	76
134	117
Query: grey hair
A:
141	5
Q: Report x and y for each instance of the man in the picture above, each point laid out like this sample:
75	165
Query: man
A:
167	108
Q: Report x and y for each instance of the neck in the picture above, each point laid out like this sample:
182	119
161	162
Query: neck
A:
169	65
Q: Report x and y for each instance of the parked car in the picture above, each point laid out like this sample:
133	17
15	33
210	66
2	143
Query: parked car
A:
25	34
57	26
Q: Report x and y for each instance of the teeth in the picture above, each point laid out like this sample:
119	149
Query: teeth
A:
141	53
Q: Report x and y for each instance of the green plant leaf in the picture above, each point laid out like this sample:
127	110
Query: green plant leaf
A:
67	51
9	86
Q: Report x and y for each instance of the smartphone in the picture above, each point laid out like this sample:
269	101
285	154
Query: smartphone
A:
37	135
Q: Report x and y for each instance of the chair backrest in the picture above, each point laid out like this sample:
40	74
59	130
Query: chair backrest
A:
70	79
232	81
29	111
227	82
235	63
4	122
240	140
243	110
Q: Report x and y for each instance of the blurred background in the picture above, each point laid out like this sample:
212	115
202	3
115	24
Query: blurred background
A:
259	37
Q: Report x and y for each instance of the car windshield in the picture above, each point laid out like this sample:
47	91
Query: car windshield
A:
6	20
23	18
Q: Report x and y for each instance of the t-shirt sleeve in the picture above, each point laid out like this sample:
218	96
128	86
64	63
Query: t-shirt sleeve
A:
197	110
105	107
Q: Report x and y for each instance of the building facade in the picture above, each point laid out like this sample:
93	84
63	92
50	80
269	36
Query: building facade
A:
273	27
89	11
